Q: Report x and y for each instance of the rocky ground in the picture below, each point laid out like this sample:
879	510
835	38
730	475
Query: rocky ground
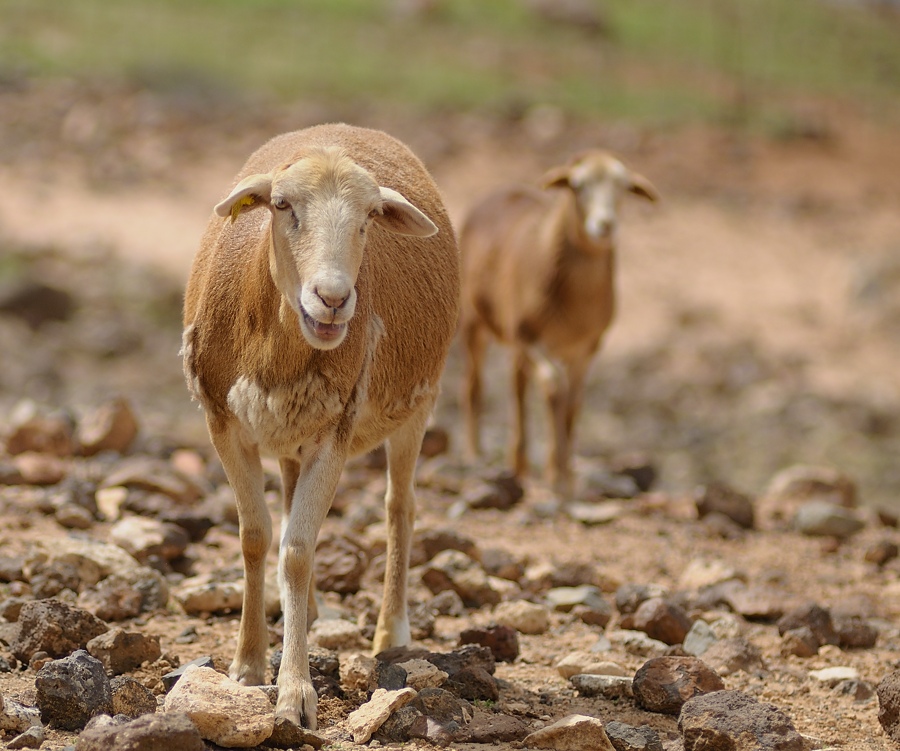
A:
754	335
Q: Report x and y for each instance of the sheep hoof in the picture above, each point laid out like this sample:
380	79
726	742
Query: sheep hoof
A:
298	705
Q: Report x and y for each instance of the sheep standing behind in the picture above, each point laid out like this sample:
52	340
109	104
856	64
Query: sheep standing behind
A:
538	269
317	321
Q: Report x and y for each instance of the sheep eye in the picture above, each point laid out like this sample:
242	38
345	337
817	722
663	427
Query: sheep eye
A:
281	204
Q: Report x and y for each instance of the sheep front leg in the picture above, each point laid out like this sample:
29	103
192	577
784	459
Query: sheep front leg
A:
313	493
243	468
403	447
555	382
474	339
519	446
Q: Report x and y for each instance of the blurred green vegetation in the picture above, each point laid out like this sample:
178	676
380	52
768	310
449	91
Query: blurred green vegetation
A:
656	60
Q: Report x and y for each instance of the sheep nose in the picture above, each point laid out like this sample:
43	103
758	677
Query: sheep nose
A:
332	298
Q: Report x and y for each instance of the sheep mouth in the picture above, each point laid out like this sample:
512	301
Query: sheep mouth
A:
325	331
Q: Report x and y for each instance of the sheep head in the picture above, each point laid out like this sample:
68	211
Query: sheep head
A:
599	181
323	206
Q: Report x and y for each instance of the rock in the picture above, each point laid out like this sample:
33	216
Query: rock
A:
663	684
701	573
627	738
339	564
820	518
421	674
572	733
111	427
337	634
121	651
224	711
434	541
757	602
503	641
73	516
699	638
363	722
593	514
36	432
40	469
859	691
831	677
854	632
390	675
502	564
728	656
37	303
201	595
398	727
564	599
442	706
449	603
576	663
817	619
499	491
92	559
173	676
881	552
452	569
800	642
113	599
637	643
358	672
810	483
72	690
721	499
888	692
610	687
630	596
473	684
599	482
149	539
469	657
53	627
34	737
131	698
731	719
493	728
17	717
288	735
154	476
662	620
525	617
150	732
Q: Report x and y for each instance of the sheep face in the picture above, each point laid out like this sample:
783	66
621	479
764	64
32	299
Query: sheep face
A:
323	207
599	181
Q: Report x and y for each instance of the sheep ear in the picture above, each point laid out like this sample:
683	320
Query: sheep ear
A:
641	186
400	216
252	191
556	177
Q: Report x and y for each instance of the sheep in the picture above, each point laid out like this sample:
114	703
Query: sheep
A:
537	269
317	320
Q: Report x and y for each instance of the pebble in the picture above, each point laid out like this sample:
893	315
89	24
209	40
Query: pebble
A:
503	641
627	738
610	687
572	733
34	737
662	620
593	514
525	617
17	717
734	654
337	634
156	476
72	690
172	677
121	651
453	569
699	638
663	684
148	539
563	599
112	426
421	674
637	643
888	692
199	595
576	663
151	732
340	564
365	720
802	482
131	698
831	677
825	519
718	498
701	573
54	627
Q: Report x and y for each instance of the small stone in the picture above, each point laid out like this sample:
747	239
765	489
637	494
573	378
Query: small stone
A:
599	482
663	684
337	634
421	674
172	677
806	483
340	564
111	427
571	733
54	627
594	514
563	599
817	619
576	663
858	690
821	518
149	732
701	573
854	632
363	722
630	596
498	491
503	641
224	711
131	698
17	717
147	539
662	620
121	651
288	735
637	643
800	642
610	687
627	738
33	737
155	476
452	569
38	432
733	654
721	499
757	602
882	552
526	617
493	728
72	690
40	469
831	677
888	692
699	638
358	672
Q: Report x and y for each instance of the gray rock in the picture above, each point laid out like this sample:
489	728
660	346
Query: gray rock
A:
607	686
854	632
117	597
858	690
806	483
731	719
601	482
628	738
663	684
131	698
173	676
630	596
593	514
564	599
499	491
33	737
72	690
637	643
888	691
121	651
155	476
288	735
17	717
54	627
824	519
728	656
756	602
427	543
165	731
700	638
800	642
340	564
525	617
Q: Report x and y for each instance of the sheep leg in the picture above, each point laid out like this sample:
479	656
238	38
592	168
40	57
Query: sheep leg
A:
244	470
475	343
403	447
290	473
555	383
576	374
519	448
313	493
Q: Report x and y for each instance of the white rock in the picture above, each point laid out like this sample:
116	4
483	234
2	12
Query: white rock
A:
17	717
358	672
573	733
370	716
224	711
833	676
700	638
199	595
701	573
422	674
576	663
525	617
93	560
637	643
336	633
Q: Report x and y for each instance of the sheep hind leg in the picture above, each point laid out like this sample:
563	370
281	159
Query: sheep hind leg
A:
244	470
474	339
519	442
403	449
554	380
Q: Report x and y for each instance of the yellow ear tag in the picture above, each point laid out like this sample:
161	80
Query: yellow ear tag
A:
238	205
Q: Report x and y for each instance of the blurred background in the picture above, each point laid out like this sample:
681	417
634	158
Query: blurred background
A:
760	302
